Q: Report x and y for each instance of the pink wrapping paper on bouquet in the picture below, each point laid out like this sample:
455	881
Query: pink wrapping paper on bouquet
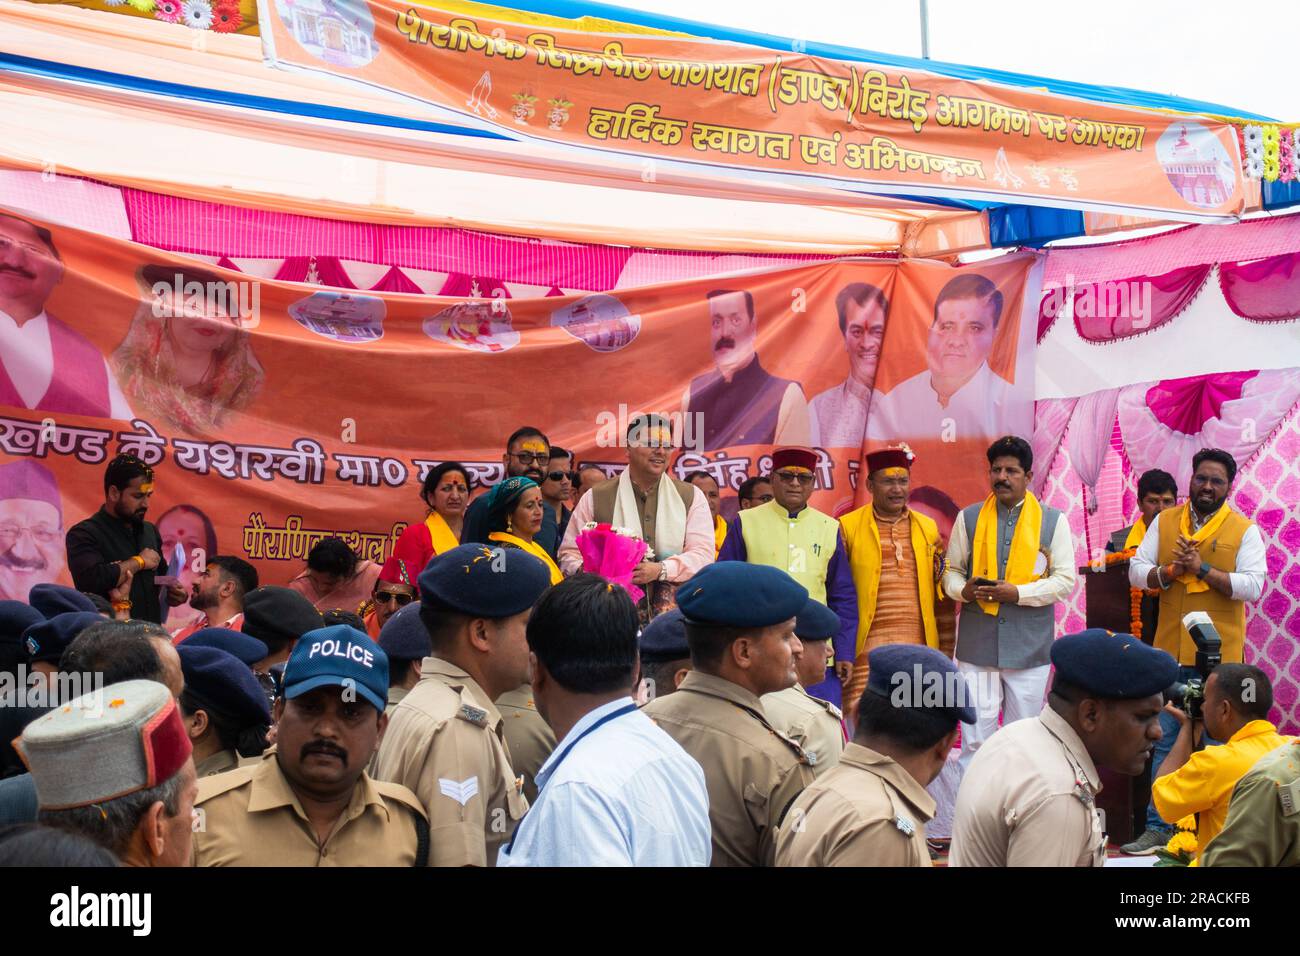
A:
612	554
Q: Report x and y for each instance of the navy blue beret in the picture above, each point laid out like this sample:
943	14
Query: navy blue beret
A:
916	677
480	581
816	622
221	682
52	599
737	594
46	640
16	617
404	636
664	638
1113	666
278	616
248	649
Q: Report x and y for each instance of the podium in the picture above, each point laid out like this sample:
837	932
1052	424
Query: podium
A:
1124	799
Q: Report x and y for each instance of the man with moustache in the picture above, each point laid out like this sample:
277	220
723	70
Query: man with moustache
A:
45	364
115	549
1201	556
310	802
527	455
1029	796
671	516
741	403
394	589
839	414
957	391
31	528
218	595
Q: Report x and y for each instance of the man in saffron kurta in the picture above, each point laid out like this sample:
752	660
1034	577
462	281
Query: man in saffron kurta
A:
394	589
895	559
786	533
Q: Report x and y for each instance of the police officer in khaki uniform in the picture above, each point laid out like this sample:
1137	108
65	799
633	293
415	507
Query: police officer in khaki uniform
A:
740	627
529	738
1029	796
310	802
447	740
814	724
871	809
225	710
1263	825
406	642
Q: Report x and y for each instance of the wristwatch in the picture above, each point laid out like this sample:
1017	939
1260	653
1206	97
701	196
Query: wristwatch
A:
663	571
1205	570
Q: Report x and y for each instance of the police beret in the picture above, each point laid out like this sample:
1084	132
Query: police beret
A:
917	677
249	650
338	656
1113	666
221	682
16	617
277	616
52	599
736	594
479	581
816	622
121	739
46	640
664	638
404	636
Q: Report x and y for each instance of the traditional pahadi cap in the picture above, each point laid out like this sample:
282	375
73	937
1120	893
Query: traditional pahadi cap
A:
338	656
900	457
479	581
1113	666
52	599
919	678
794	458
32	481
664	638
816	622
47	640
245	647
736	594
404	636
398	571
106	744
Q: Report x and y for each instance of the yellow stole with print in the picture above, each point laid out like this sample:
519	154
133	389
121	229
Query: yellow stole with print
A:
1023	556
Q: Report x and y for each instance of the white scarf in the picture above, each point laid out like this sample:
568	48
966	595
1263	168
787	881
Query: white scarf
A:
670	515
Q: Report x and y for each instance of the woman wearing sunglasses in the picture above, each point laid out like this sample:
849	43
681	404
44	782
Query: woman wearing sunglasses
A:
514	516
445	493
394	589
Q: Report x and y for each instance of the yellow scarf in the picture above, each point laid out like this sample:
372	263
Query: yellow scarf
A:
1208	530
1023	556
440	533
1135	536
719	534
536	550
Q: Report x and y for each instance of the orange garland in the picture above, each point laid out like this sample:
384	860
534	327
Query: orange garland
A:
1135	595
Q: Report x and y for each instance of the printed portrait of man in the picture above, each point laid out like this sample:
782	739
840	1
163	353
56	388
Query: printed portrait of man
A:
45	364
839	414
957	392
31	529
740	402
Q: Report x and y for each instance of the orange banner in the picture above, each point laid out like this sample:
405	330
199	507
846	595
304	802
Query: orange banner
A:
277	413
724	104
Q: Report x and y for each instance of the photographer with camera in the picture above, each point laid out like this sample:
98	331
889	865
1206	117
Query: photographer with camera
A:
1202	556
1234	709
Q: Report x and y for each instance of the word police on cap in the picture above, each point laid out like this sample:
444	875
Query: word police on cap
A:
333	648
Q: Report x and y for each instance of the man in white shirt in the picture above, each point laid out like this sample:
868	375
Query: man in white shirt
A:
839	414
617	790
45	364
958	392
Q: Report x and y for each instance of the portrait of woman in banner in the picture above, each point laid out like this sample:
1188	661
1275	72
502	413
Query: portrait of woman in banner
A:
187	358
445	493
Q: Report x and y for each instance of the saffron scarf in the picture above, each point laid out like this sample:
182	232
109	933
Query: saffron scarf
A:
1208	530
536	550
719	534
1135	536
1022	559
440	533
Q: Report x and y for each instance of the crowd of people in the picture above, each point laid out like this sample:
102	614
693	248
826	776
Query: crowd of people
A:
768	690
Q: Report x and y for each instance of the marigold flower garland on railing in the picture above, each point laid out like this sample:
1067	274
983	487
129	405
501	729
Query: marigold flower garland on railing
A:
1135	595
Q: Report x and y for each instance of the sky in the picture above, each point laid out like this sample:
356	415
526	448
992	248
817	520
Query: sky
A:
1237	54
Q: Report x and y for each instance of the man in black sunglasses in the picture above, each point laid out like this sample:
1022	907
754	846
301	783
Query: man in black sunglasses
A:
394	589
557	488
528	455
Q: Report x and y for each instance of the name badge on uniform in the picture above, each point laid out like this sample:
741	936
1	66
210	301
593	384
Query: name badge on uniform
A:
1289	798
1083	793
812	757
905	825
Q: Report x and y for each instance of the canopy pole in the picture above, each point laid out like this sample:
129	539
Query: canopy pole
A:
925	30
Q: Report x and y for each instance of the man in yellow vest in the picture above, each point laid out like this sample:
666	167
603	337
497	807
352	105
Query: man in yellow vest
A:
1202	556
786	533
896	559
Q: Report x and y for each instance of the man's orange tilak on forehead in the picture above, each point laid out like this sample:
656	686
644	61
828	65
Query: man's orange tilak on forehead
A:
894	472
146	487
534	445
798	469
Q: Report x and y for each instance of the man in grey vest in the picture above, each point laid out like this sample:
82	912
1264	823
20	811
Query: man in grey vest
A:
1010	559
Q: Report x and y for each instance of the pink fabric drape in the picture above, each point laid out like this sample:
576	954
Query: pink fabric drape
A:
1091	427
1186	404
1267	290
1051	418
395	280
1114	310
460	285
329	271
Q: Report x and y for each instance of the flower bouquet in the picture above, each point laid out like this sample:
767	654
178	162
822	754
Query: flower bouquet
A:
613	553
1181	848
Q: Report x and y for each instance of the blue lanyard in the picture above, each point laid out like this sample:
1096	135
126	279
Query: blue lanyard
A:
629	708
